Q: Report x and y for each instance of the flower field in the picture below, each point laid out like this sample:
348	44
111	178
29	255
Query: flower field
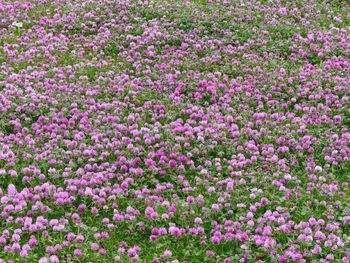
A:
174	131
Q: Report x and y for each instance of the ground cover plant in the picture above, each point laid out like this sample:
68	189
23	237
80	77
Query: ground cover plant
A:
174	131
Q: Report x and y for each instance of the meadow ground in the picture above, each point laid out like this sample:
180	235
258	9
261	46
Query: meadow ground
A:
174	131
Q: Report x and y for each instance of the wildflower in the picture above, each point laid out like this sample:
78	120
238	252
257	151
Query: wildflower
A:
17	24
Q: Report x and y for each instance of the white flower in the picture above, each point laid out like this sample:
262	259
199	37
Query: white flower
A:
17	24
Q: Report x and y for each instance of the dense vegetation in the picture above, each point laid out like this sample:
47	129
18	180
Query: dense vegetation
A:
174	131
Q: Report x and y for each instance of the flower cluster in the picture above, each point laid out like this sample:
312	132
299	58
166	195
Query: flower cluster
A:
174	131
